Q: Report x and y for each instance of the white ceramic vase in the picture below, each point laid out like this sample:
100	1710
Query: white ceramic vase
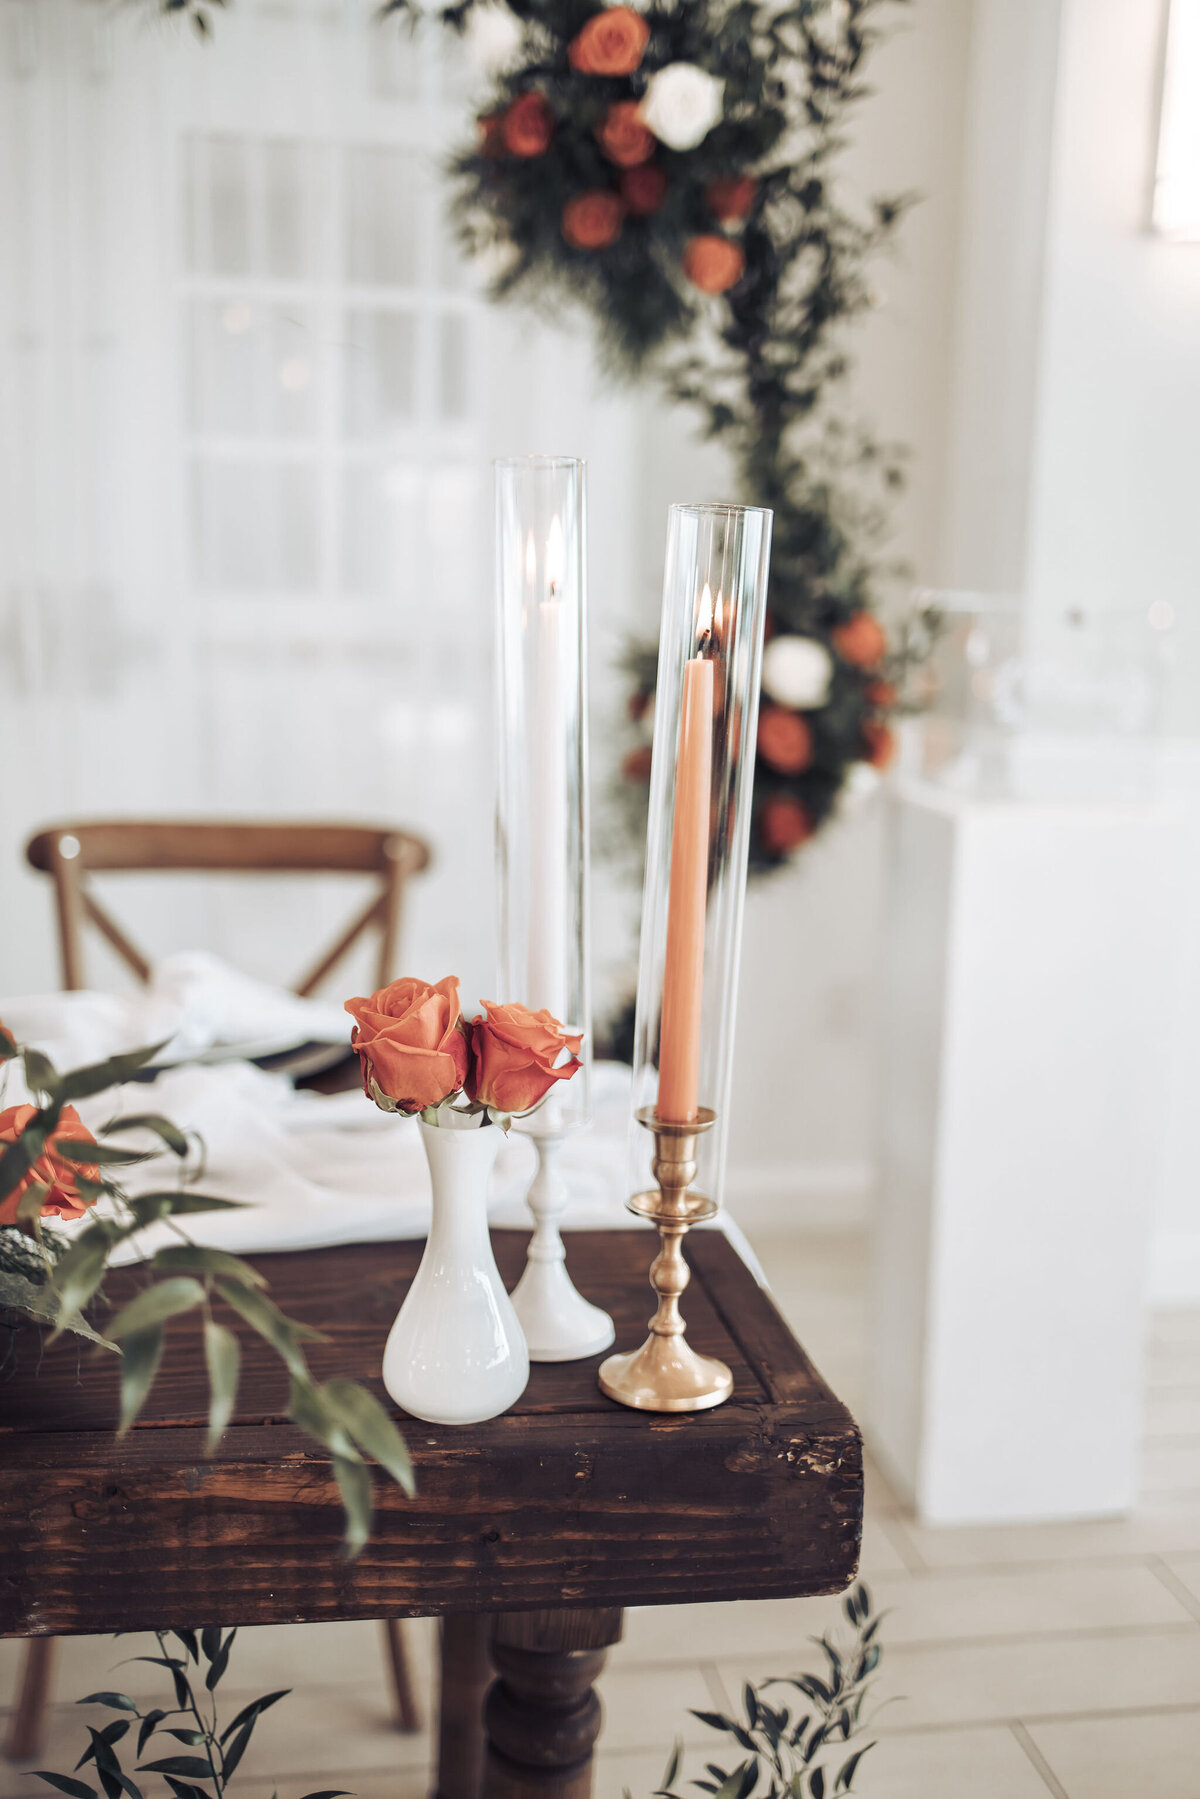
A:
456	1353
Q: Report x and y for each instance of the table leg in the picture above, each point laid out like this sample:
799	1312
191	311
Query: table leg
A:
542	1717
466	1673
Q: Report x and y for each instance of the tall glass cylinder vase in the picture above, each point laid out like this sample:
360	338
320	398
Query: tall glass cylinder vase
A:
542	844
701	792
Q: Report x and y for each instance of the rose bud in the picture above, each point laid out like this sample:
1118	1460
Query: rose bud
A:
592	221
730	197
713	264
785	740
622	136
612	42
518	1057
410	1043
784	824
643	189
861	641
528	126
60	1174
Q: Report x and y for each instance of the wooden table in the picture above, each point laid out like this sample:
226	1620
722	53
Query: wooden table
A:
550	1519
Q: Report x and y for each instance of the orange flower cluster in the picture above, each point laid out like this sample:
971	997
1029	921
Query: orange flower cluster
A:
612	42
416	1049
52	1170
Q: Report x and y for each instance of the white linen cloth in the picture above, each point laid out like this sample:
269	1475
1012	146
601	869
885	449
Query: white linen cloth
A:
194	1003
309	1169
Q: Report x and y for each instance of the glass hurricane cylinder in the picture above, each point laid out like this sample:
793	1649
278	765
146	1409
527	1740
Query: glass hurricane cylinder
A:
542	843
705	723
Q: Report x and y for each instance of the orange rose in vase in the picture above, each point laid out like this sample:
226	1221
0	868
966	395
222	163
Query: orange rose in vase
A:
527	126
60	1174
518	1057
861	641
713	264
411	1043
612	42
592	221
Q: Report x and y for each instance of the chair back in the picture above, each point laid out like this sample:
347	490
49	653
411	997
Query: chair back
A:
68	853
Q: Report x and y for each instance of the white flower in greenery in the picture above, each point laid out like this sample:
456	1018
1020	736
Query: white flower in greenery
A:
682	105
492	39
796	671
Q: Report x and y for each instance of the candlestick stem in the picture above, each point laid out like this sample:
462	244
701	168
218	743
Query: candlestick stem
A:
666	1374
560	1325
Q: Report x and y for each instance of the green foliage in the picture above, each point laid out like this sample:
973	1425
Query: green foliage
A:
51	1276
796	1748
193	1721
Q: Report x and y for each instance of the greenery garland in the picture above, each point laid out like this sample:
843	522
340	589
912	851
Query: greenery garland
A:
671	169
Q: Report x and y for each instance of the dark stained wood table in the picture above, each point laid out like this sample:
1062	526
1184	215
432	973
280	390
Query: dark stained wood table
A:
546	1521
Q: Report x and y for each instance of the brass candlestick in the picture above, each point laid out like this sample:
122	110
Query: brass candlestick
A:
666	1374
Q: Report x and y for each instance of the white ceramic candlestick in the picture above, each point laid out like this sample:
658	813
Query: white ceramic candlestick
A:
560	1325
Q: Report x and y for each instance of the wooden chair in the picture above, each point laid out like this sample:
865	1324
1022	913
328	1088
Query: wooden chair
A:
68	854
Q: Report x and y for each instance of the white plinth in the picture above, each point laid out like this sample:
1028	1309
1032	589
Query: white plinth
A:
1029	963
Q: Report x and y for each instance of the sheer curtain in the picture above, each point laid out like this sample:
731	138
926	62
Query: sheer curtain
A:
243	498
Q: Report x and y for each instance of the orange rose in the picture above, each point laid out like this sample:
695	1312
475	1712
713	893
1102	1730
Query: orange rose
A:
861	641
612	42
784	825
713	264
635	764
592	221
410	1043
515	1059
528	126
784	740
643	189
730	197
50	1169
881	744
622	136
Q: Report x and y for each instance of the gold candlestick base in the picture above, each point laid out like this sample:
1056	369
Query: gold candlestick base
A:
666	1374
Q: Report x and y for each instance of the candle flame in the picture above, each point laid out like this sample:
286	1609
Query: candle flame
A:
704	618
719	616
556	557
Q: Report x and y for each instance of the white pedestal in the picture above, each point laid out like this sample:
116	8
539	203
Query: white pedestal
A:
1029	967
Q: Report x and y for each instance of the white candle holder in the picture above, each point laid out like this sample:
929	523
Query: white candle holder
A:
542	847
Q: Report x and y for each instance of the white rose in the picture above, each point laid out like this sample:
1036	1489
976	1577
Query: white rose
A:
492	39
796	671
682	105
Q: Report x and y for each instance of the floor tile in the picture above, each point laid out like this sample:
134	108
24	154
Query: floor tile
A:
1125	1757
1171	1465
1035	1677
1163	1530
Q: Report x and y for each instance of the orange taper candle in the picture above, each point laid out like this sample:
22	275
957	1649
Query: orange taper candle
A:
683	975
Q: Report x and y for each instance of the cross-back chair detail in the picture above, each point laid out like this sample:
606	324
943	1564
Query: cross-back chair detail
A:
69	853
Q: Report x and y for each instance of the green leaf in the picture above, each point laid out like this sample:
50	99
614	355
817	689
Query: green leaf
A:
252	1710
676	1755
237	1747
210	1641
354	1484
714	1720
184	1789
329	1793
29	1207
731	1786
190	1258
79	1273
149	1208
308	1408
140	1357
146	1730
97	1155
195	1739
816	1783
372	1429
261	1315
182	1696
219	1662
154	1305
188	1639
76	1789
188	1767
38	1301
170	1133
222	1356
118	1702
849	1769
82	1083
40	1073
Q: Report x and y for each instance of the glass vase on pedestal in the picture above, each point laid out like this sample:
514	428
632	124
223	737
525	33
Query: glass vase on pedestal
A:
542	846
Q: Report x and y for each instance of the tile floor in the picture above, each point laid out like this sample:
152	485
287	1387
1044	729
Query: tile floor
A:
1019	1662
